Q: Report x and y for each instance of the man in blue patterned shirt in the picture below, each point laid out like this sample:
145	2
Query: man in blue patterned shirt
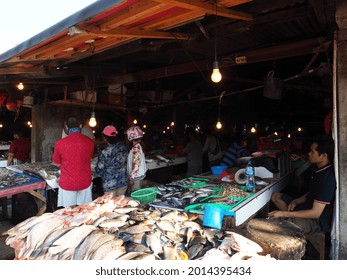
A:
112	163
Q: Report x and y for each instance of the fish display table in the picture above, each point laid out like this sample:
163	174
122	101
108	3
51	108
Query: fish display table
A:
30	185
251	206
120	228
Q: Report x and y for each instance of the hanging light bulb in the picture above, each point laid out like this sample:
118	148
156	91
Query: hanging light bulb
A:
216	76
135	121
20	86
92	120
219	124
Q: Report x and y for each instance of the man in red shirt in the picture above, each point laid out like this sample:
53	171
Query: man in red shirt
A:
19	149
73	154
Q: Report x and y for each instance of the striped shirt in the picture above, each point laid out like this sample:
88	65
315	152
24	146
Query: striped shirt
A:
233	153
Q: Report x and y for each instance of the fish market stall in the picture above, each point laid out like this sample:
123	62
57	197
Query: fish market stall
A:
193	194
4	149
120	228
162	168
12	183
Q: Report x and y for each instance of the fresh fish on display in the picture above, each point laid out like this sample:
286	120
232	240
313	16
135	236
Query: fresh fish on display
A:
42	250
174	237
193	225
243	244
133	247
124	210
194	250
84	248
137	229
153	241
215	254
111	249
38	234
250	256
166	225
97	244
144	232
138	238
131	255
146	257
70	240
113	223
170	253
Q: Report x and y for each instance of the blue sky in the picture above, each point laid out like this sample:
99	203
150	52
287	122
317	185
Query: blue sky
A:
22	19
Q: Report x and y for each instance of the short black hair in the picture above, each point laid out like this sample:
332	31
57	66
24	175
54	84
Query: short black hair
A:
73	122
325	144
111	139
240	138
17	131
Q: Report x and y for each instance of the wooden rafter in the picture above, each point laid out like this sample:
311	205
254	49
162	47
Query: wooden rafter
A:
135	33
209	8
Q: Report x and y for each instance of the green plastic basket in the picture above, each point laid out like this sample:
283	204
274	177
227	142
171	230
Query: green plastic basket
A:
145	195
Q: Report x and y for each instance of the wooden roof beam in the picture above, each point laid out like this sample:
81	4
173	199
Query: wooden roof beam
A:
132	13
209	9
20	70
134	33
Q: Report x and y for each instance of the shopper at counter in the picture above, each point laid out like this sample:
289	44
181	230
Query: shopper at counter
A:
136	158
212	148
193	150
313	211
19	152
73	154
112	163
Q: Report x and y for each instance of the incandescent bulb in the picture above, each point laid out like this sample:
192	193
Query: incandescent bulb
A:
216	76
219	125
92	120
20	86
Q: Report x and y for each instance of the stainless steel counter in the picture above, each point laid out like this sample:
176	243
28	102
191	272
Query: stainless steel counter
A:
250	207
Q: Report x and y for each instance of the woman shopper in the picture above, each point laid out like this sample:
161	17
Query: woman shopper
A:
112	163
136	158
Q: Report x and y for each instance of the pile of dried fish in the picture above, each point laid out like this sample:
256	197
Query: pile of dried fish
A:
9	178
119	228
232	190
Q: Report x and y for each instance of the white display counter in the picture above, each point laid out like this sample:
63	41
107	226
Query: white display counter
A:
155	164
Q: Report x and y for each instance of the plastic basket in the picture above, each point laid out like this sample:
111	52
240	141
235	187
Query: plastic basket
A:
218	169
145	195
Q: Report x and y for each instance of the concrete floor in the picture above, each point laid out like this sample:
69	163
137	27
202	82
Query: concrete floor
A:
6	252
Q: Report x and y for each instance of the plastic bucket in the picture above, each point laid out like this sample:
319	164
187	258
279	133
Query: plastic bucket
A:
213	216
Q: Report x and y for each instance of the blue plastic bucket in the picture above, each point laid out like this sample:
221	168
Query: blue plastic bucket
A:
213	216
